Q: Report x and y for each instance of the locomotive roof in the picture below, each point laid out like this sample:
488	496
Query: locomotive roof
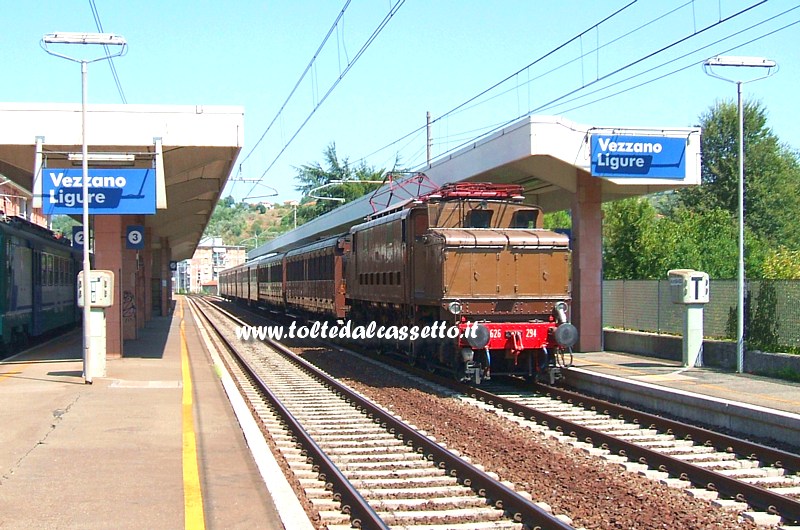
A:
489	237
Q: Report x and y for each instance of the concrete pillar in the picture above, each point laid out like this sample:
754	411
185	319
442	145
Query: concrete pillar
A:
141	299
109	240
166	287
147	261
587	263
131	300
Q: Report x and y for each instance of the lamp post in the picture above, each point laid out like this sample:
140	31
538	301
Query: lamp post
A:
105	39
739	62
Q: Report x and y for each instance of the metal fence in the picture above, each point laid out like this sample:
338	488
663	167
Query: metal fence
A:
772	310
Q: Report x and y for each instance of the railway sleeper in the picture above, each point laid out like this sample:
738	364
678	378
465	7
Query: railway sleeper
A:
757	471
464	515
422	492
788	480
359	445
334	517
380	459
380	435
688	450
366	474
720	466
667	442
365	430
398	466
405	504
400	482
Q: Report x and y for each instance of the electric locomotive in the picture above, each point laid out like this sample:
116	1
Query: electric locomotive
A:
475	255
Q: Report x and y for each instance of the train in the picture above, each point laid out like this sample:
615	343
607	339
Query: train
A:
472	255
37	283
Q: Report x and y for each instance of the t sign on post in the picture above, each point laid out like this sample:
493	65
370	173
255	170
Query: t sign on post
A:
134	238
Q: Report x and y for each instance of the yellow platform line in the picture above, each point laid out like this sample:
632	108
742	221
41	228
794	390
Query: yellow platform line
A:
194	517
5	375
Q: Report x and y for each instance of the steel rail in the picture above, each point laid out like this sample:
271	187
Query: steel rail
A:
516	506
750	450
755	496
362	515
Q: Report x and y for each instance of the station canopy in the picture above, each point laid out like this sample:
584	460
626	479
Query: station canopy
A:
191	148
545	155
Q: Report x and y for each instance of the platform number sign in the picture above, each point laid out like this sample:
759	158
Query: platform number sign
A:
77	236
134	238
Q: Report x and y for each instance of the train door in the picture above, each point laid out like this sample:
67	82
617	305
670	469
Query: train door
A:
422	263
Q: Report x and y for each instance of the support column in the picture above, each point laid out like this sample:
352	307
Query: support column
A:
140	287
147	261
587	263
108	244
131	301
166	275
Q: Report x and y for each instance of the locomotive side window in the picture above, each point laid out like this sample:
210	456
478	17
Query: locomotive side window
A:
524	219
478	219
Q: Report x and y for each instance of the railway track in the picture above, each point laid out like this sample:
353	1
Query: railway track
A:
759	482
359	464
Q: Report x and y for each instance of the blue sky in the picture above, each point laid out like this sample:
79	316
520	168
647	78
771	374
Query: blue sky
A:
432	55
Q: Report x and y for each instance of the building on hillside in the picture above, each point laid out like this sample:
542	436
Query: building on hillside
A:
16	200
200	273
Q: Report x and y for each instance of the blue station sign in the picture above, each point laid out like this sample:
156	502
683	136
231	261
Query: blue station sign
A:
638	156
111	191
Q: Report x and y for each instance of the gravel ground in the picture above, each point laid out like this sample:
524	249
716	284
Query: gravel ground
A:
596	494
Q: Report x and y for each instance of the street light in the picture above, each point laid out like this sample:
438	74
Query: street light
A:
746	62
105	39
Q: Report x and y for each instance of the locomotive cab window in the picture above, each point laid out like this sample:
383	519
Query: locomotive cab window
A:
478	219
524	219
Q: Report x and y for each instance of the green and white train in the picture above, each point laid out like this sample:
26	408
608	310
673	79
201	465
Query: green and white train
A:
37	283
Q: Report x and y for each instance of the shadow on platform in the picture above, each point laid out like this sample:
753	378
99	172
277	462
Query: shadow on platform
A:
151	340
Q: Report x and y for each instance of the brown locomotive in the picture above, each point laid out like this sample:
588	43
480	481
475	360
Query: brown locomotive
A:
470	254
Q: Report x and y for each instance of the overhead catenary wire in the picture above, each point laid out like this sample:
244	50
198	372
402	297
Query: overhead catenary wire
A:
392	11
672	72
299	80
555	101
110	60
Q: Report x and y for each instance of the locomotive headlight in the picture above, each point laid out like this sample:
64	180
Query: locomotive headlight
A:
477	336
566	335
455	307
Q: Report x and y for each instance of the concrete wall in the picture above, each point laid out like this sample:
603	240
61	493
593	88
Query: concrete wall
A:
716	354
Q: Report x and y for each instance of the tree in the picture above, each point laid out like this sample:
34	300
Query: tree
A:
639	243
772	173
312	177
782	264
558	220
626	225
63	224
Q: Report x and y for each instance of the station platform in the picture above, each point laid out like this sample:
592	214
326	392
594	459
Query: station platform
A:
741	403
156	444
